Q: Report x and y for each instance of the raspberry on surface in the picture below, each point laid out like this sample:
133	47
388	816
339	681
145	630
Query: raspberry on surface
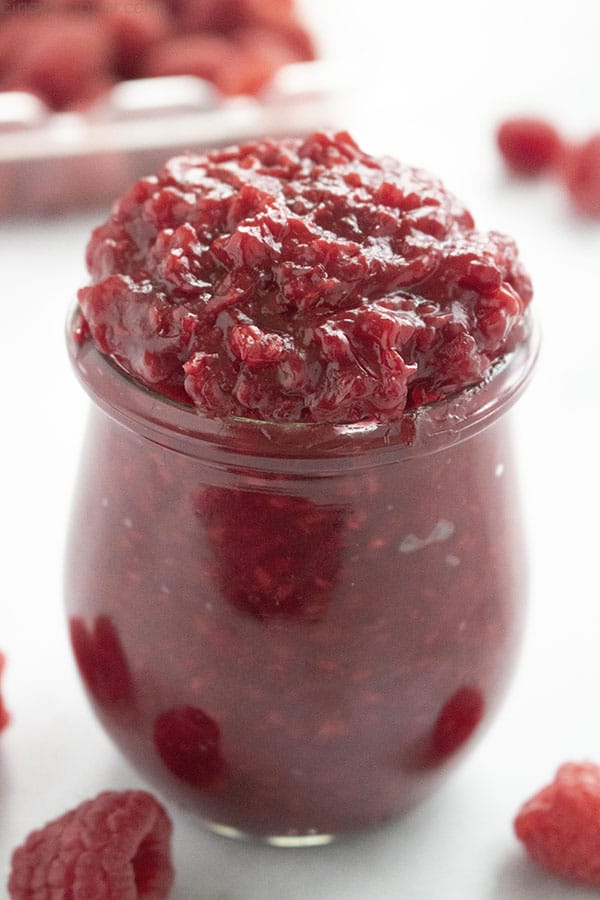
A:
101	660
580	172
4	717
113	847
560	825
529	146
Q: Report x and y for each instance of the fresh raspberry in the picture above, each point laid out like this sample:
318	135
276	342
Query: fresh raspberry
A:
529	146
560	825
581	175
4	717
188	742
114	847
207	56
46	70
134	30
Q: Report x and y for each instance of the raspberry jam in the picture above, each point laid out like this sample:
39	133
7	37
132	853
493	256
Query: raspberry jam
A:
294	606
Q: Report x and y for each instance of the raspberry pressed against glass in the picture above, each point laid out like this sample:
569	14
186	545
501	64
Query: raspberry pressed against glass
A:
188	742
560	825
101	660
114	847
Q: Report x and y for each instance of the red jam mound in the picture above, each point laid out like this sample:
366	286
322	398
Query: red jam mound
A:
301	281
114	847
101	660
560	825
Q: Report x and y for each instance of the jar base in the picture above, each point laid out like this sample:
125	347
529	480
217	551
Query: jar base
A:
309	839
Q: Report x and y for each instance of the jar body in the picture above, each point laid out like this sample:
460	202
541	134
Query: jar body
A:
294	652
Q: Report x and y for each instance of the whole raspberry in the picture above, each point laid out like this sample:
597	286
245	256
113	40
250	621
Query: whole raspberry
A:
529	146
4	717
188	742
114	847
560	825
458	719
581	174
101	660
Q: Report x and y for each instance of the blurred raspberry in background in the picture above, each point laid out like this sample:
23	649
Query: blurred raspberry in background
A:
69	52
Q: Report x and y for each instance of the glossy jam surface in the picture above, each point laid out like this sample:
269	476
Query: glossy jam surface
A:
301	280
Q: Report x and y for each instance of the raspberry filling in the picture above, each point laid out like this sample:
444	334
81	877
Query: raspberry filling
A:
301	281
296	628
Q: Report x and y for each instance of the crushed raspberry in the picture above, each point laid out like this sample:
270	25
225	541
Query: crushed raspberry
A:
581	174
4	717
188	742
101	660
529	146
301	280
114	847
250	533
560	825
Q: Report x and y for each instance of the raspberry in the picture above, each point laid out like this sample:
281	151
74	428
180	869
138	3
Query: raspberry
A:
188	742
114	847
560	825
101	660
4	717
581	175
207	56
529	146
59	78
458	719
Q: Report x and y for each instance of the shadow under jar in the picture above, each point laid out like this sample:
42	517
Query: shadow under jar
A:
295	630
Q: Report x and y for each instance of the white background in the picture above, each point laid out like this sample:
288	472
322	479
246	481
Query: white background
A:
438	79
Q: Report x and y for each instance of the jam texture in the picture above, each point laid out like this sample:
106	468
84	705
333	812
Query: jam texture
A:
295	611
293	653
301	281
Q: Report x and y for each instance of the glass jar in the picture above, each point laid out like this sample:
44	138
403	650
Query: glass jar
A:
295	629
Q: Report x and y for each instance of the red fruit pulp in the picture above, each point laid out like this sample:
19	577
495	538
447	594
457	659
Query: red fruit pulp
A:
314	572
301	280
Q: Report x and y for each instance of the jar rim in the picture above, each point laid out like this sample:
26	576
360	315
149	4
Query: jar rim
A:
419	431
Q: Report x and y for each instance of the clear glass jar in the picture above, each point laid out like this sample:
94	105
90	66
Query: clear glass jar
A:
295	630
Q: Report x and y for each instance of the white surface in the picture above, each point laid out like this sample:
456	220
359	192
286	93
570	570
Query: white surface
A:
442	76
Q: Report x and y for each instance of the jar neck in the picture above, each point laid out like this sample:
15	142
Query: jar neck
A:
420	431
